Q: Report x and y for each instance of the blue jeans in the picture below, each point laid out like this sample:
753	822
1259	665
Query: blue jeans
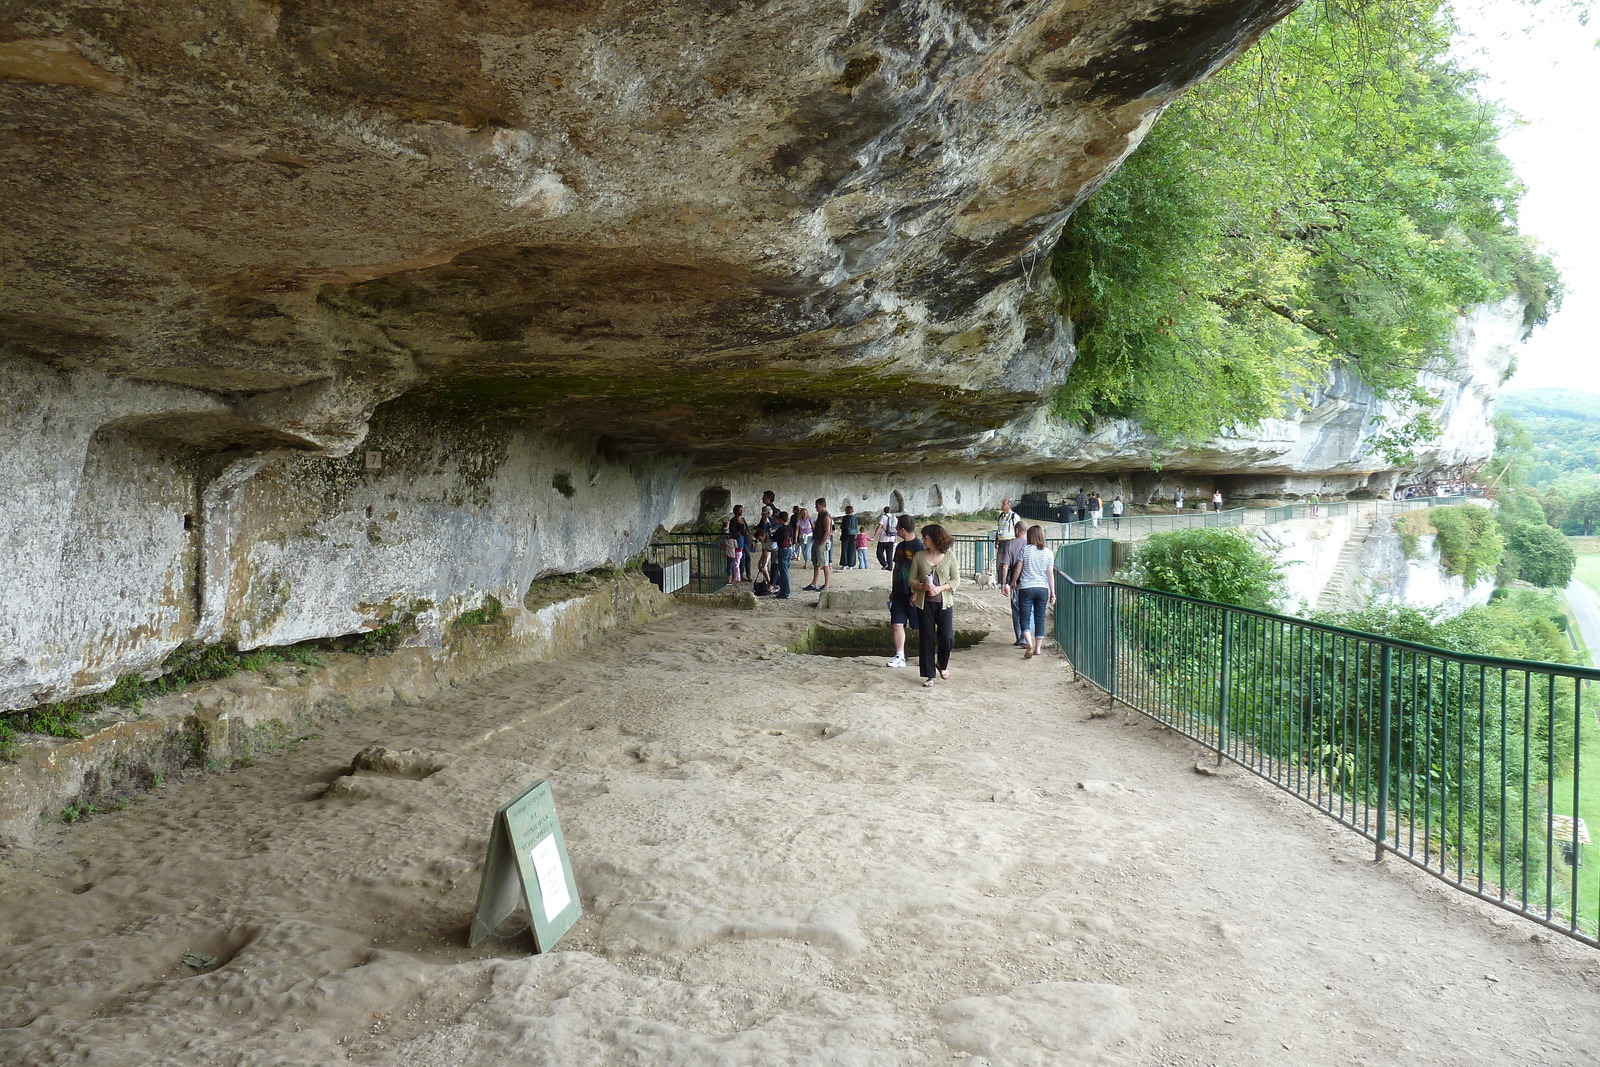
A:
1031	607
780	569
1016	612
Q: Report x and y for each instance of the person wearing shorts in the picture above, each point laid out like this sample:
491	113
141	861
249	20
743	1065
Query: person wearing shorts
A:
821	548
901	611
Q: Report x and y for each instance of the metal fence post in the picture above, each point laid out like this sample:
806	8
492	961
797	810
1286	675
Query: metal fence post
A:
1111	643
1227	684
1385	723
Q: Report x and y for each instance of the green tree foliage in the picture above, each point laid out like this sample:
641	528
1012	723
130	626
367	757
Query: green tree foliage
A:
1467	536
1541	554
1584	512
1446	718
1559	439
1220	565
1354	204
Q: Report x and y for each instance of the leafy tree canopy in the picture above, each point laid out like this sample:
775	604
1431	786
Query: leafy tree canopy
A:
1335	196
1221	565
1541	554
1556	436
1525	624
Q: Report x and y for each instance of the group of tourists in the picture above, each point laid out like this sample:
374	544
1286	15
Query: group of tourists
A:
762	552
924	569
1089	507
1025	571
1179	498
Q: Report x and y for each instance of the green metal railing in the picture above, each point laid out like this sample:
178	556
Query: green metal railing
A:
975	552
1132	526
1285	512
1467	766
708	567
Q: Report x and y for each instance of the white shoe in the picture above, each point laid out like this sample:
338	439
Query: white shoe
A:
897	661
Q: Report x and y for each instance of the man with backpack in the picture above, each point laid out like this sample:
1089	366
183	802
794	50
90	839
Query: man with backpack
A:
849	526
885	536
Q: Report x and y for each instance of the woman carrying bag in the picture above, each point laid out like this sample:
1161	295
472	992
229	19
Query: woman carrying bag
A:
934	575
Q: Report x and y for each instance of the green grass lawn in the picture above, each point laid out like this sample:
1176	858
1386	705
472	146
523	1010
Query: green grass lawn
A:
1587	570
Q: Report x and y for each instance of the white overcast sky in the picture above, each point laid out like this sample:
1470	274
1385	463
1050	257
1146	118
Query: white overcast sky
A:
1543	64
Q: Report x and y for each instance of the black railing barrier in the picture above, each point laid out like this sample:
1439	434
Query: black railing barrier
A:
1469	767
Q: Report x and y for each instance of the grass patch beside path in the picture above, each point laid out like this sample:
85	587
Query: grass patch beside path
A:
1587	568
184	667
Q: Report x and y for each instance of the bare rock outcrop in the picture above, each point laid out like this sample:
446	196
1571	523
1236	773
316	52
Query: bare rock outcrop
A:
653	221
316	315
1326	439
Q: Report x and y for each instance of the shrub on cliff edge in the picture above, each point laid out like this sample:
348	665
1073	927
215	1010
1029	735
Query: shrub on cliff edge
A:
1220	565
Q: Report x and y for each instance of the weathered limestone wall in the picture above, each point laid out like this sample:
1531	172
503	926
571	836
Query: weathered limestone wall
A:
98	571
128	533
1376	568
217	722
923	492
1308	550
458	511
134	533
1385	574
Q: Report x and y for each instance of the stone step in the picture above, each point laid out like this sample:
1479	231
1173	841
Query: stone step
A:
1335	594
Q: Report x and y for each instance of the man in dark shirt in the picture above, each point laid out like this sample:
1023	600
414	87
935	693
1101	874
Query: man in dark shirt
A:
1010	553
783	547
821	547
901	613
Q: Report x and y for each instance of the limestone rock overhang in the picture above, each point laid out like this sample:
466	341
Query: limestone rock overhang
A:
730	230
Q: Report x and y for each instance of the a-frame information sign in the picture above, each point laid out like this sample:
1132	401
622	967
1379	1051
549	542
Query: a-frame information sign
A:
527	861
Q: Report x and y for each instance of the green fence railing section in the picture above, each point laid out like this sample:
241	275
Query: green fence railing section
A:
1127	526
1285	512
975	553
708	567
1467	766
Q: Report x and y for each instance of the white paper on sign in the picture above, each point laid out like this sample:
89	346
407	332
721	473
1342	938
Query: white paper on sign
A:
551	877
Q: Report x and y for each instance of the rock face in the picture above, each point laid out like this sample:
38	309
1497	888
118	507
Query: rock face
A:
656	222
319	315
1327	443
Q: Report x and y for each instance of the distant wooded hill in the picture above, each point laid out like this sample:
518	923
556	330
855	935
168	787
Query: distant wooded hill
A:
1563	428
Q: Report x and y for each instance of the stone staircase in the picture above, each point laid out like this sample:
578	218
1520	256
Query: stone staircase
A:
1339	594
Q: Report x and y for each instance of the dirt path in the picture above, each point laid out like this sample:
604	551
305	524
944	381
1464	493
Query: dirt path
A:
783	860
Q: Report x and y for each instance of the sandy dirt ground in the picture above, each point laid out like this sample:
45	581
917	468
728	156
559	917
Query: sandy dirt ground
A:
783	859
